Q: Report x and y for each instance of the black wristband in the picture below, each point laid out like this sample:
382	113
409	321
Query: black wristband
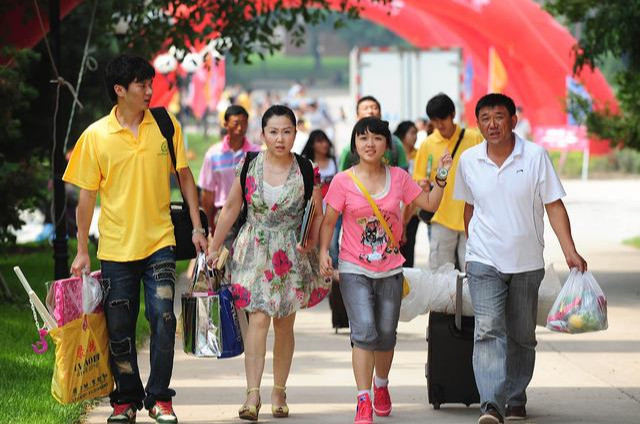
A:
441	181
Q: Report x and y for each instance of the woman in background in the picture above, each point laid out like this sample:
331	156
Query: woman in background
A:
319	150
407	132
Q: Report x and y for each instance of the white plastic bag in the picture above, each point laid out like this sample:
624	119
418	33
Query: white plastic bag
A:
414	303
580	306
91	293
433	291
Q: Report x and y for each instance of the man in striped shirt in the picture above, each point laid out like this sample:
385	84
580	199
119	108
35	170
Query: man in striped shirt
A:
220	161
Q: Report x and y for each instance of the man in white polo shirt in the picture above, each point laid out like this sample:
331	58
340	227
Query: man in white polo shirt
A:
507	183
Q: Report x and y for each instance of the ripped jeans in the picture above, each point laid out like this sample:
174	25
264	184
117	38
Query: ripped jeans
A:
122	303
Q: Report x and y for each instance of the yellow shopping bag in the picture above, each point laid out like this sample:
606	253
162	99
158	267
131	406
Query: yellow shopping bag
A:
81	370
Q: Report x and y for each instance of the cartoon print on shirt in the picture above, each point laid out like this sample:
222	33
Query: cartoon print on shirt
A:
375	237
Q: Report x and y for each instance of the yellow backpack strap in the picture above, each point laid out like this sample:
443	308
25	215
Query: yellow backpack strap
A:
376	211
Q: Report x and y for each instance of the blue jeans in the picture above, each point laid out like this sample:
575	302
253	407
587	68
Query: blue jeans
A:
505	308
122	303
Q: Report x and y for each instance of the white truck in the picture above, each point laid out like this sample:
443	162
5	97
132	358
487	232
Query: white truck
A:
403	80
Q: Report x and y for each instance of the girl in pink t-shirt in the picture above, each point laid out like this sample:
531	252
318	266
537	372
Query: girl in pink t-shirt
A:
370	264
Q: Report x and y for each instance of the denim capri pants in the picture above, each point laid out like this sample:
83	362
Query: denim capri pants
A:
373	307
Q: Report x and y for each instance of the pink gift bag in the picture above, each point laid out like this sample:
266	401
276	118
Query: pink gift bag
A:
64	298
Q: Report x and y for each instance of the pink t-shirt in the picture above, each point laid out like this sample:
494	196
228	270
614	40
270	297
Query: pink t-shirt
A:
219	167
364	240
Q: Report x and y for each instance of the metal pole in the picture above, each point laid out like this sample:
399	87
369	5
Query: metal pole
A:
60	251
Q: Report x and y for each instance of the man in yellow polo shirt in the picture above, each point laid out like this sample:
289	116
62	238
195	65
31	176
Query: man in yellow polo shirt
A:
125	159
447	237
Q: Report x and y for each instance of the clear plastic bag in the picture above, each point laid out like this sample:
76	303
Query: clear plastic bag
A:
91	293
580	306
65	298
202	279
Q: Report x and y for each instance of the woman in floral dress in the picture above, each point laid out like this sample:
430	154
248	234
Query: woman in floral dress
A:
272	275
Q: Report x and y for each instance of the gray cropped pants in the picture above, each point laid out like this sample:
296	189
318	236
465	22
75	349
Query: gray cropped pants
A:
373	307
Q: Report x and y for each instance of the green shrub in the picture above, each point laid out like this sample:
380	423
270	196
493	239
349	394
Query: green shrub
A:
626	161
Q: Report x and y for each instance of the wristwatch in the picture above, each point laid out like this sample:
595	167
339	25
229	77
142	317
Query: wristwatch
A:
442	174
198	231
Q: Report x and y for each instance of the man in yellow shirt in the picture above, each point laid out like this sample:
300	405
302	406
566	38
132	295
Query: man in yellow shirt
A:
447	236
125	158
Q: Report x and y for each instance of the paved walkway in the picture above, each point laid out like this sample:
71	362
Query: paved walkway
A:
591	378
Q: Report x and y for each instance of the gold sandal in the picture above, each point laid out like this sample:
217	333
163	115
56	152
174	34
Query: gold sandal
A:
280	411
250	412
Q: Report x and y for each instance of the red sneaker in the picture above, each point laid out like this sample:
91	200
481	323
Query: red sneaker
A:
381	401
364	411
163	413
123	413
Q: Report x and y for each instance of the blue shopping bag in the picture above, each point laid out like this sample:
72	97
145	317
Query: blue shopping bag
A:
230	328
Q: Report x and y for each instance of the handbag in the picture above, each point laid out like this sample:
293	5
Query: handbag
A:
232	344
425	215
210	322
81	370
396	247
180	217
201	314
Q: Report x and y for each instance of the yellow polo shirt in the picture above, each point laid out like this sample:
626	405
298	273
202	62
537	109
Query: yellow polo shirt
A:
131	176
450	213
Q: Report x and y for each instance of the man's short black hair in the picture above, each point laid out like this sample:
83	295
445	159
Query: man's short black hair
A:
235	110
440	106
367	99
125	69
496	99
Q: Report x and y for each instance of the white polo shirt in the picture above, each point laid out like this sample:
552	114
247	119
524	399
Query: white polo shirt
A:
507	227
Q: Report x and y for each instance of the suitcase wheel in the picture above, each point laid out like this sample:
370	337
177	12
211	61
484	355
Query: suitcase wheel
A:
436	406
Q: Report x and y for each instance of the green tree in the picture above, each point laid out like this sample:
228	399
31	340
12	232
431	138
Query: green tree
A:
22	180
605	30
239	27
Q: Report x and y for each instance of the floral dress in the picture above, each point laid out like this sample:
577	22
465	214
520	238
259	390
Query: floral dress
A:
267	273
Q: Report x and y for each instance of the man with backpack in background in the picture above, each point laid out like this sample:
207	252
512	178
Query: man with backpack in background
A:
447	236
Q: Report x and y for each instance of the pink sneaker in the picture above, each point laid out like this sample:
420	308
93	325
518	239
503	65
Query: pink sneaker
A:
381	401
364	411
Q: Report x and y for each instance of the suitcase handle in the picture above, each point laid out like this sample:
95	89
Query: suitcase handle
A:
458	317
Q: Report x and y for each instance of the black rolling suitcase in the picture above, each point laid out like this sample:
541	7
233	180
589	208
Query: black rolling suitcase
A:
339	318
449	368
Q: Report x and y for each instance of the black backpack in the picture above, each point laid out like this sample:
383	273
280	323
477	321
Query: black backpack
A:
306	168
179	211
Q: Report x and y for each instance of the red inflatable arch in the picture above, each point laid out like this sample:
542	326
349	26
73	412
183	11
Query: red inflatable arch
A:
535	49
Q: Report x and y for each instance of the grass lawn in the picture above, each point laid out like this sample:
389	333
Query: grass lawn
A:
198	146
635	242
25	381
